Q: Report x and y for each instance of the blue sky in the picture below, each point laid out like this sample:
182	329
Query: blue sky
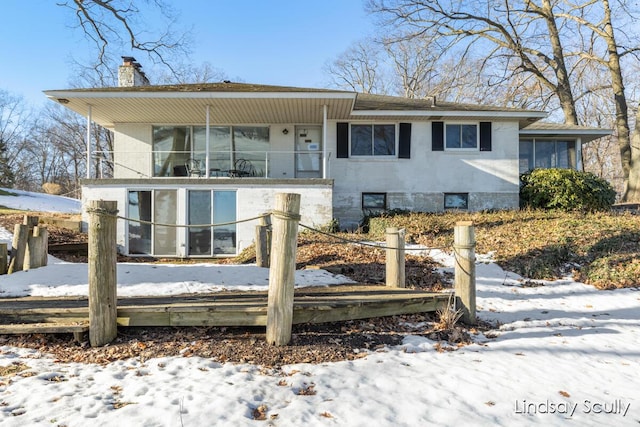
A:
282	42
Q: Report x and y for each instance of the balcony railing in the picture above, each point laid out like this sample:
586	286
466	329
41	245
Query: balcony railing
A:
218	164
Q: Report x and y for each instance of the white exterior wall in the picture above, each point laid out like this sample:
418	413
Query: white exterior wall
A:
251	201
282	159
419	183
132	151
116	194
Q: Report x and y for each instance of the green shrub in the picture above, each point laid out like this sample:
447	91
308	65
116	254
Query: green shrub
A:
366	221
565	189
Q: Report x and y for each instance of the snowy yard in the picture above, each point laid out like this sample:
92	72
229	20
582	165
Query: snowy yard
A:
561	353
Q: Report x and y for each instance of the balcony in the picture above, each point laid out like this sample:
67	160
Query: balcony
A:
221	164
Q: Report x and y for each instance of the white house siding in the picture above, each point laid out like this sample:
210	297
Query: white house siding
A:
252	199
282	160
419	183
132	150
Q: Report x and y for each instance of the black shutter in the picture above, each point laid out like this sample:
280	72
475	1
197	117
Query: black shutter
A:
485	136
342	141
437	136
404	141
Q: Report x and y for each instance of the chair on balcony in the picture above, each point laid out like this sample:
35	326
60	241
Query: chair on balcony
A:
193	167
242	168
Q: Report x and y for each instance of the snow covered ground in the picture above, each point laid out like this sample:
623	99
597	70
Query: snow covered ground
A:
18	199
562	353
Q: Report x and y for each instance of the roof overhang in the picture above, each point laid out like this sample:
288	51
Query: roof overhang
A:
524	118
586	134
234	103
109	108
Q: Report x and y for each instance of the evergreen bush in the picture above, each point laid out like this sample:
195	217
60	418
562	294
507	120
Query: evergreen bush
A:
565	189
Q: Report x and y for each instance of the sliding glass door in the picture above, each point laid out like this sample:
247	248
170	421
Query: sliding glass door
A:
212	207
159	207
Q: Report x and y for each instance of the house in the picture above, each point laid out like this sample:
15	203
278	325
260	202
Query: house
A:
200	154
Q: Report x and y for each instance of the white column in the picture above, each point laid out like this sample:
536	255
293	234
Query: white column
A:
324	141
88	142
579	165
207	142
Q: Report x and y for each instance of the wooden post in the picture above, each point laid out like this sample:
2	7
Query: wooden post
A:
19	247
464	244
283	267
30	221
102	272
395	264
44	235
3	258
35	246
262	242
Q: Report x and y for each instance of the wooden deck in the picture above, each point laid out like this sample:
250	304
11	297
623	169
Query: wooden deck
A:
311	305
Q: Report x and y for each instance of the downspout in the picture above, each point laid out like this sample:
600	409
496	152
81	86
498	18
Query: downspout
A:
88	142
206	144
324	141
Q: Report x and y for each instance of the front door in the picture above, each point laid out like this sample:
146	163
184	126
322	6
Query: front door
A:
308	152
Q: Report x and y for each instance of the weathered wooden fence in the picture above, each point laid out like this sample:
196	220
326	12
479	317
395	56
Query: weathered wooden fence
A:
103	319
283	255
395	263
29	247
464	247
263	241
282	261
283	268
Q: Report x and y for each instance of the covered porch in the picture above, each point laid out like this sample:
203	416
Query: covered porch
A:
210	130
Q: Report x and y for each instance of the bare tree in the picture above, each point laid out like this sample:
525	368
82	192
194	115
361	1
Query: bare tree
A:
549	40
604	49
113	25
506	30
414	62
359	68
14	121
188	73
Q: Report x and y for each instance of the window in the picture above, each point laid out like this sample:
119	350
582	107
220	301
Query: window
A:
173	146
374	201
140	232
461	136
171	149
158	206
456	200
211	207
540	153
373	140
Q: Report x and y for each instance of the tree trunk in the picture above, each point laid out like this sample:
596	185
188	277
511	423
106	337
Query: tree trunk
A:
563	86
630	192
632	182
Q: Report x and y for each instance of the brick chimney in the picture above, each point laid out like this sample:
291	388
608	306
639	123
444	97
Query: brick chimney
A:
130	73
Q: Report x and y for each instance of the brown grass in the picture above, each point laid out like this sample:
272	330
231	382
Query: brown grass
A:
602	249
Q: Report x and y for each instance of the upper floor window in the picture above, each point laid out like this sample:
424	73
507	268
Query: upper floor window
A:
175	147
461	136
373	140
